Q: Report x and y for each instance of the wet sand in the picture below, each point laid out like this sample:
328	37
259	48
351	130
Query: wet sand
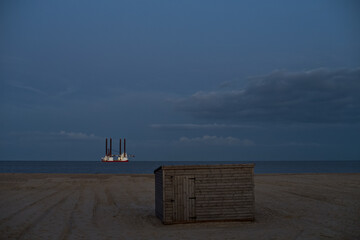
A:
112	206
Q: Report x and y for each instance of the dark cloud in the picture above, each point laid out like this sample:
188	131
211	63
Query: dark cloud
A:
318	96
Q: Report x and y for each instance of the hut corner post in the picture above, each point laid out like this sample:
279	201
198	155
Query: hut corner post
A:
159	194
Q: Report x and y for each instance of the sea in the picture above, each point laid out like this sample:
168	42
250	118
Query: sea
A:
148	167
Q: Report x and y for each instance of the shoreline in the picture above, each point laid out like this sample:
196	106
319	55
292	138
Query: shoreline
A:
151	174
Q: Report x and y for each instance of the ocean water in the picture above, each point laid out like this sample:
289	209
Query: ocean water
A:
148	167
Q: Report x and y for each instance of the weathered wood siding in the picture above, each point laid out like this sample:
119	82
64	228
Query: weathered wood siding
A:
208	193
159	194
184	199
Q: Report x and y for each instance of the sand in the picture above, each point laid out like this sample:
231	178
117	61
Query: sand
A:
110	206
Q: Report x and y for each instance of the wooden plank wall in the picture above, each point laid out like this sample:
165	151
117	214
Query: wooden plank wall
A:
220	194
184	202
159	194
169	198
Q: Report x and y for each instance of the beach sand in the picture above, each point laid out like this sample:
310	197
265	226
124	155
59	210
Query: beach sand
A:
113	206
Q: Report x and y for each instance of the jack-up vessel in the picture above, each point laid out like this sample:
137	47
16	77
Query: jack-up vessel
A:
109	157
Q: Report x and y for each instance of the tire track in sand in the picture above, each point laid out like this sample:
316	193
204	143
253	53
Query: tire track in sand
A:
95	209
19	195
38	219
68	228
103	205
109	197
28	206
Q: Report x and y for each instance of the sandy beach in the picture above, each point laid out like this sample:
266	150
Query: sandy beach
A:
113	206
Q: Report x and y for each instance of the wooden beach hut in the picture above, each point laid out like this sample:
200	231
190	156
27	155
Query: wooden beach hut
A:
198	193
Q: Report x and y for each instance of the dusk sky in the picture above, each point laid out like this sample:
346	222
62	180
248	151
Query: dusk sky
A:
180	80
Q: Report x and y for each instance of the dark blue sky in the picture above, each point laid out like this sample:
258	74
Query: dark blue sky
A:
181	80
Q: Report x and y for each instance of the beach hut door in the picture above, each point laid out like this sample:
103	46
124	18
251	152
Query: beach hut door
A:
184	199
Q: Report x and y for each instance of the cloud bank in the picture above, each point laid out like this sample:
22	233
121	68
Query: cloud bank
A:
215	140
317	96
192	126
54	136
77	135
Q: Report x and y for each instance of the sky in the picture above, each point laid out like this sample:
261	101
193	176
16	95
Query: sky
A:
180	80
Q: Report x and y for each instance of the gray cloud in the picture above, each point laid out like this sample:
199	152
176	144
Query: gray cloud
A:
215	140
58	90
77	135
54	136
191	126
318	96
28	88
